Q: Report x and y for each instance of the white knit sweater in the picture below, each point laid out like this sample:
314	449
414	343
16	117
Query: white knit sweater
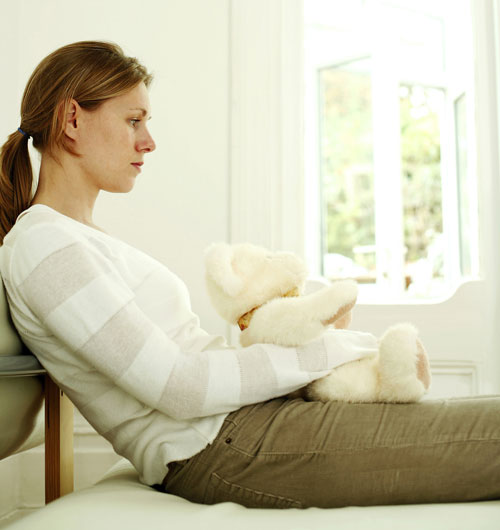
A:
115	330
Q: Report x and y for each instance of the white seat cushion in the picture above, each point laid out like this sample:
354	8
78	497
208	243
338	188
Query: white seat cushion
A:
118	500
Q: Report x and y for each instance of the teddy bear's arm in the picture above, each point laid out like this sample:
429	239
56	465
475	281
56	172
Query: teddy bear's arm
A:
295	321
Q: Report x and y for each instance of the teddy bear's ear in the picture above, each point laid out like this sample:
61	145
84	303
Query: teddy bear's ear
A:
219	268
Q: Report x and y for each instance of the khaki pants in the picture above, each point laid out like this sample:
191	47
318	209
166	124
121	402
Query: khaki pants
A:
296	454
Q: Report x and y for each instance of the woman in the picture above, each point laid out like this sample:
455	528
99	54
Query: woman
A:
115	330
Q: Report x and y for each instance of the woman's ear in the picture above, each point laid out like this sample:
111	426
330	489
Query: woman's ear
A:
71	116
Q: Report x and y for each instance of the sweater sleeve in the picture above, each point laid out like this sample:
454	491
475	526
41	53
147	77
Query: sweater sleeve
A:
80	298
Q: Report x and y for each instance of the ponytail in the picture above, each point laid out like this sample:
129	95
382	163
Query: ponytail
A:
16	180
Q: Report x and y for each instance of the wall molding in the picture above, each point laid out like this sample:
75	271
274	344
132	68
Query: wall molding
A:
266	127
455	378
93	456
25	471
486	34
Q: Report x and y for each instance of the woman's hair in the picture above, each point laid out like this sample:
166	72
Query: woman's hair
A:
89	72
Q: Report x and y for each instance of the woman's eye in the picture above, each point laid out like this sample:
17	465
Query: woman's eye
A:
134	121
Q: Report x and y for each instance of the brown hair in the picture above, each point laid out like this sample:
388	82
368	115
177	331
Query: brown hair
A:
89	72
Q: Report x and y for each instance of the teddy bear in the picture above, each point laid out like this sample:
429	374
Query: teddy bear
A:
263	293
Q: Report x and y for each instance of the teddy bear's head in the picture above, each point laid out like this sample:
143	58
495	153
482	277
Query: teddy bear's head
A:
242	277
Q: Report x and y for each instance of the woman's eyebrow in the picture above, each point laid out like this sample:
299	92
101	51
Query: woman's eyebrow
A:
144	111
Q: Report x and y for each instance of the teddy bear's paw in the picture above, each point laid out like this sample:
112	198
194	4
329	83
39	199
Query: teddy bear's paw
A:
344	321
423	367
404	373
342	318
333	304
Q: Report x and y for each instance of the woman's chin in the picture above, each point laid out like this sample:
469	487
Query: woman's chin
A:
125	186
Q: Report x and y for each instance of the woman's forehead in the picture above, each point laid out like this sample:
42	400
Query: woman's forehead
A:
136	99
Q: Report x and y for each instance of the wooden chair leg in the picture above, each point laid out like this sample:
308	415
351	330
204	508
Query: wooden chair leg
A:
58	442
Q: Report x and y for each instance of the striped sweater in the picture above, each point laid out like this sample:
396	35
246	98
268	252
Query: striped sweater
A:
115	330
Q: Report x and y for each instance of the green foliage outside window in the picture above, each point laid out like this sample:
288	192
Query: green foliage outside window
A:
420	168
347	180
347	164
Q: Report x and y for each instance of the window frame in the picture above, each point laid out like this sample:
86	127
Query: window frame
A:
389	222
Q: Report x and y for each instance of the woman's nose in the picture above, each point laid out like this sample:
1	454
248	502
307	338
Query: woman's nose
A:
147	144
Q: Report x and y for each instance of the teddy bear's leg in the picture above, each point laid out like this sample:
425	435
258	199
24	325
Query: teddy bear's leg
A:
400	373
404	373
354	382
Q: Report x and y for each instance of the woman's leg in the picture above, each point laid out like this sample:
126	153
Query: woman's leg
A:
292	453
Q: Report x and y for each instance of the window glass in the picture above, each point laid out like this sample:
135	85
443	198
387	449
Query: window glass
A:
421	109
347	170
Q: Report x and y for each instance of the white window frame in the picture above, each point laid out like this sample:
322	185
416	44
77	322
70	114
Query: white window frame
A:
389	222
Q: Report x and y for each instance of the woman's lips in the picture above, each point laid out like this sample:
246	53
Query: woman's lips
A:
138	165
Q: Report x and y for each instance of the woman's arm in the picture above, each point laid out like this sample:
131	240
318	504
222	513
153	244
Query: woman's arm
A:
79	296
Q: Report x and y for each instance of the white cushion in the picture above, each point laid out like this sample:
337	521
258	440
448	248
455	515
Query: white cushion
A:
21	398
21	414
120	501
10	343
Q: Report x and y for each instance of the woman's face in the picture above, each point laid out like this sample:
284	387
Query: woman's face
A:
114	139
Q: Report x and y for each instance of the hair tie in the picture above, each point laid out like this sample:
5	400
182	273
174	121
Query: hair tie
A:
24	133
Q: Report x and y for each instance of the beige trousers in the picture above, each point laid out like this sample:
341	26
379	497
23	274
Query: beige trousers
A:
296	454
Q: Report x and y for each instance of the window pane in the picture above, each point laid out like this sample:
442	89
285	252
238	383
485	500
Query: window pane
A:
346	153
420	111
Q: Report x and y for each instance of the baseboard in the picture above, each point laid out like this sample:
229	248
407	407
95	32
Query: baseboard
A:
15	515
22	476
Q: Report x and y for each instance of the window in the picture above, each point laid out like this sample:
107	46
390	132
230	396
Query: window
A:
387	116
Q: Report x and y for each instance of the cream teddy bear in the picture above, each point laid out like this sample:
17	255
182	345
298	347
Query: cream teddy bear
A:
261	291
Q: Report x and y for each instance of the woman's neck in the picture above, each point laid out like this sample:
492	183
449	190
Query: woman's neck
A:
62	188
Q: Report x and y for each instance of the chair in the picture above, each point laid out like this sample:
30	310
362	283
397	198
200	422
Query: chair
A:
24	387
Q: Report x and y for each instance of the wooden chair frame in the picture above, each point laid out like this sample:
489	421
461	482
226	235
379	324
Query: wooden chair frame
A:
58	428
59	463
